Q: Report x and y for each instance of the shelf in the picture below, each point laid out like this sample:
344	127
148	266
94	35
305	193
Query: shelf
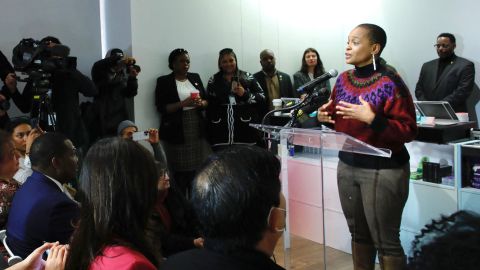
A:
421	182
470	190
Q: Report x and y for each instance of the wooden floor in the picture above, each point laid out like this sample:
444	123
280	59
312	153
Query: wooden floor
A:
308	255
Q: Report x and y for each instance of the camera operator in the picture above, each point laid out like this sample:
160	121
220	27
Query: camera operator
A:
9	91
66	83
116	79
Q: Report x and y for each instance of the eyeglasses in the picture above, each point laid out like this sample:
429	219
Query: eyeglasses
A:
278	229
445	46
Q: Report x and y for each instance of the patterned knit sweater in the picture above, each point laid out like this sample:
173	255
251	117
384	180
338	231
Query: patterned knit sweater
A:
390	100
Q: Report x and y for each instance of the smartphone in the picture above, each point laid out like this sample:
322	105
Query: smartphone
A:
140	135
234	82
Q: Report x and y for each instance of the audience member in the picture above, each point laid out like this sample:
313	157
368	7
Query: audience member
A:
8	166
241	210
116	79
23	136
118	188
448	78
312	67
235	100
180	99
172	226
372	104
127	128
42	210
275	84
450	243
55	260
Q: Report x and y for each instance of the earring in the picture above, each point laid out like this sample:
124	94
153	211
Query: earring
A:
374	65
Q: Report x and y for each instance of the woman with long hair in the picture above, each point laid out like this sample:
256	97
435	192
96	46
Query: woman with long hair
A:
312	67
118	188
235	99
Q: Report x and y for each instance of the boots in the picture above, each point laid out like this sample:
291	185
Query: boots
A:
363	256
393	262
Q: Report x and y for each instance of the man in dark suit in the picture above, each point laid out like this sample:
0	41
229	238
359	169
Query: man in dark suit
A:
275	83
448	78
42	210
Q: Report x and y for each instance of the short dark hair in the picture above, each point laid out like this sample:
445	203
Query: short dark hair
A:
232	195
173	56
449	36
452	242
319	69
224	52
15	122
376	34
118	189
46	147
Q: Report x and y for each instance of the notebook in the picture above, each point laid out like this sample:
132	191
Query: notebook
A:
441	110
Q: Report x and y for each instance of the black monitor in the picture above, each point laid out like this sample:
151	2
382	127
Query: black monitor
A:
437	109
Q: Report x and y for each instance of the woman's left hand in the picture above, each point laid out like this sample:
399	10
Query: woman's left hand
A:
362	112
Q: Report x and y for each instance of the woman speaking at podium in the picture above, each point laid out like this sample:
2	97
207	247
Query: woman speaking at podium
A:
373	104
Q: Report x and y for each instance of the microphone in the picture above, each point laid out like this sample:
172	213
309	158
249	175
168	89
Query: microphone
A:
311	84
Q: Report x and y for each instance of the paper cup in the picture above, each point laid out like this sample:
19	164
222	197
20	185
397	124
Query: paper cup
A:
277	104
194	95
462	116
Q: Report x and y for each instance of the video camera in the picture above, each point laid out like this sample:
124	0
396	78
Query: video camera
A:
39	60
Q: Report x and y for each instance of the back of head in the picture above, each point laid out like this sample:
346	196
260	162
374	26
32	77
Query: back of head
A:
451	243
376	34
118	187
232	196
45	148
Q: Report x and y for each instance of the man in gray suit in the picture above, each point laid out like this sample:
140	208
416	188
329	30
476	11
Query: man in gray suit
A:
448	78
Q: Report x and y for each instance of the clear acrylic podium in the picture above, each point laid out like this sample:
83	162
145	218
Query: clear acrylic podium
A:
316	236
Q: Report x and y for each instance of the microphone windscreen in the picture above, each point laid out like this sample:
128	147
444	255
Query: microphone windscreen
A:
333	72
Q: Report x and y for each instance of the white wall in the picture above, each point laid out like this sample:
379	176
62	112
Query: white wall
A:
150	29
75	23
288	27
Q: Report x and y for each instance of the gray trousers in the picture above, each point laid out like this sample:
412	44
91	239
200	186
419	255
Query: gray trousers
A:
372	202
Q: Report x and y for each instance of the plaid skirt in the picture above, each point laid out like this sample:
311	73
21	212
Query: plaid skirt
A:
191	154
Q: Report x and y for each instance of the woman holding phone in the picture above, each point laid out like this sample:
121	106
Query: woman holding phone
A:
234	101
180	99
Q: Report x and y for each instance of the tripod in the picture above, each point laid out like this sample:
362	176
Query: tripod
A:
42	111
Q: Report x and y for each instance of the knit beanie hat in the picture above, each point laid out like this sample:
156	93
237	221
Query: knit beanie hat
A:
125	124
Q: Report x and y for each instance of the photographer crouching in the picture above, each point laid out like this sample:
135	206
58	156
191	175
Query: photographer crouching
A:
116	79
53	84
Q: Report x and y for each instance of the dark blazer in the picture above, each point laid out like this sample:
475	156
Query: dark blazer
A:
171	124
286	89
454	85
40	212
